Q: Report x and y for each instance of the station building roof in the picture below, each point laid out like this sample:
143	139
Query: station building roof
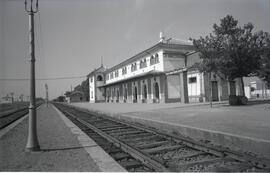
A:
101	69
152	72
169	45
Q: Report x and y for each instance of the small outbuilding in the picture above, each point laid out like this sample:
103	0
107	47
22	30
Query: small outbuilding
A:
77	96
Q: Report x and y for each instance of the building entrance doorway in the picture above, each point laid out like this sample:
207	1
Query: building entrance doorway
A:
135	95
125	93
156	91
112	95
214	91
117	96
144	92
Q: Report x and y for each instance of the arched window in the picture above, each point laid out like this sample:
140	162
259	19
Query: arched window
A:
99	78
124	70
152	60
111	75
141	64
156	58
116	73
133	67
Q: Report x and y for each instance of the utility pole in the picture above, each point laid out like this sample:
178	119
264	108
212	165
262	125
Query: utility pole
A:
210	81
12	97
47	95
211	89
32	141
21	97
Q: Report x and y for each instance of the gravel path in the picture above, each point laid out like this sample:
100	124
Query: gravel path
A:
60	149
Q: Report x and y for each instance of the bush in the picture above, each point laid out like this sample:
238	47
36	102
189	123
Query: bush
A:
237	100
242	100
233	100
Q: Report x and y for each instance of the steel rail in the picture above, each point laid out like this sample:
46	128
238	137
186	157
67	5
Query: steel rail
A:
135	153
260	162
13	112
245	159
23	112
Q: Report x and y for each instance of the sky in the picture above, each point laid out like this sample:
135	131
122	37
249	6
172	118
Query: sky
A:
73	35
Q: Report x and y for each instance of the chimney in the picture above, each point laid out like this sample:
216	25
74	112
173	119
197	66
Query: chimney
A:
162	37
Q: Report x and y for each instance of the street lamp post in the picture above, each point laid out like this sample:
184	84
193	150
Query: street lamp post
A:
47	95
32	141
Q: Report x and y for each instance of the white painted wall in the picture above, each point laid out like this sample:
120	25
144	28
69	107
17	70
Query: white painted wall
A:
247	92
159	67
171	63
173	86
194	89
92	89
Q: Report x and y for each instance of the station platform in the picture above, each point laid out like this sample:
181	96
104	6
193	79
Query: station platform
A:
240	128
64	147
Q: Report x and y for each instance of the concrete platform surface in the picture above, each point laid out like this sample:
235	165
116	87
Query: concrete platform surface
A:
60	148
116	108
244	128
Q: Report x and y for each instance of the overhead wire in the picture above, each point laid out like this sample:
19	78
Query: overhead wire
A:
40	46
55	78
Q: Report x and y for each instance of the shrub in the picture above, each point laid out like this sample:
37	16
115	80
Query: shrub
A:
237	100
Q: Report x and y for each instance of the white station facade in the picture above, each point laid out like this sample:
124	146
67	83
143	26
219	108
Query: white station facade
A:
163	73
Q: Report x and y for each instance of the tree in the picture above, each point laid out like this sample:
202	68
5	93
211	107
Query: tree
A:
78	88
264	71
60	99
85	88
209	48
234	51
67	93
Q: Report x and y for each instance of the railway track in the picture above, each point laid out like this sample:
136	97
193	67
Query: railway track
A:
10	117
143	150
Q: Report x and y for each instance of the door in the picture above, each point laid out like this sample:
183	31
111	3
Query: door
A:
214	91
144	92
118	95
125	94
135	95
156	90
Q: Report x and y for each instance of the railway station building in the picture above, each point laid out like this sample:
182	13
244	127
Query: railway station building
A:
163	73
